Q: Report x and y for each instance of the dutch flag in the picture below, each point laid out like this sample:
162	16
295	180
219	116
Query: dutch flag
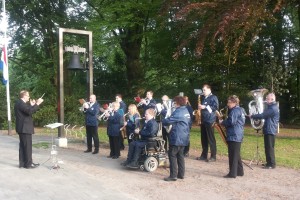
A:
3	66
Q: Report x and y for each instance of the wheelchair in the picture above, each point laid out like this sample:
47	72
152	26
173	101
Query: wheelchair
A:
154	153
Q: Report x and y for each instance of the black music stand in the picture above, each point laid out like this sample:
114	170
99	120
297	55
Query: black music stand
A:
53	153
256	156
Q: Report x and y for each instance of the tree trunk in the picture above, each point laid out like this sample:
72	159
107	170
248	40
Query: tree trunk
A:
131	45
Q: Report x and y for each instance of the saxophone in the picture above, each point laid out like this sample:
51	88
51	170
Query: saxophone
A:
221	129
197	113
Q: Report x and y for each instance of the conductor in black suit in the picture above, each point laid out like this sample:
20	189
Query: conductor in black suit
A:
24	108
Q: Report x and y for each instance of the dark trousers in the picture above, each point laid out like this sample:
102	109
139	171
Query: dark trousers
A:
176	158
187	149
92	134
122	146
135	150
208	138
165	136
269	141
114	144
235	162
25	150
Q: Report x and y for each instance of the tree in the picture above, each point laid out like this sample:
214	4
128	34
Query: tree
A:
125	23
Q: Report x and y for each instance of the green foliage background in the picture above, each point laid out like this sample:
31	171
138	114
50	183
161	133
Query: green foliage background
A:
134	43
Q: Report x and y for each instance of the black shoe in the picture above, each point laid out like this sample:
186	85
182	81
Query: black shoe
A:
95	152
36	164
201	158
211	160
170	179
132	165
87	151
32	166
228	176
124	163
269	167
115	157
180	177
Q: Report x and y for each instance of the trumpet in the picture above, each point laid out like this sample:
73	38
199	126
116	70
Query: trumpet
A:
147	101
84	103
108	110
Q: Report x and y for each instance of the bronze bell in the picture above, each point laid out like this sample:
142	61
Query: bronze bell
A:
75	63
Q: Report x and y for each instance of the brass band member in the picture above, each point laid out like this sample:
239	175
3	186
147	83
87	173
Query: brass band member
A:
270	129
133	121
179	138
209	105
91	111
113	130
190	109
149	102
122	111
149	130
234	125
165	134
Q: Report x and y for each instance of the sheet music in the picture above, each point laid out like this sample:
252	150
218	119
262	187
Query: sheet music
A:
54	125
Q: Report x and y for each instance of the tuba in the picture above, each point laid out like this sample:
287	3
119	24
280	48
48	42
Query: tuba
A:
170	107
256	106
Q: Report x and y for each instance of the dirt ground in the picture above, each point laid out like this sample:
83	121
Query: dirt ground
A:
202	181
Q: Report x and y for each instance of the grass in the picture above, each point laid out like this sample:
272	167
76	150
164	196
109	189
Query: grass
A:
44	145
287	148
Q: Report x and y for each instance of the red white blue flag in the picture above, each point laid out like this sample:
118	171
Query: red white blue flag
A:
3	66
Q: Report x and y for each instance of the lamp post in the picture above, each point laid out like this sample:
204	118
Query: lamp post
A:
61	140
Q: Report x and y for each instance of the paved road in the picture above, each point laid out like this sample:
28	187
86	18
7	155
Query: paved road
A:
44	182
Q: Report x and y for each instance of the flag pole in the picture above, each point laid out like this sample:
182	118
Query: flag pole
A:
7	84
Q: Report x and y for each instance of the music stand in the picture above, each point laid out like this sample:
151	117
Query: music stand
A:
256	156
53	153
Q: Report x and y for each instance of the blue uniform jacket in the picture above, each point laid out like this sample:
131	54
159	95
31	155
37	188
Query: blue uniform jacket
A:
149	130
181	122
213	103
91	114
114	124
235	124
123	106
132	123
190	109
271	116
151	104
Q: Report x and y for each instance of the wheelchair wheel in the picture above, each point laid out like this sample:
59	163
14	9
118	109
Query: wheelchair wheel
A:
150	164
142	167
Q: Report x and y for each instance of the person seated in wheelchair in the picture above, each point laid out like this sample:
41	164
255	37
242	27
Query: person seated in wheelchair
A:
148	131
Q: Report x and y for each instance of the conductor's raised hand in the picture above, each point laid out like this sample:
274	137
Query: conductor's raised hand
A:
39	101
